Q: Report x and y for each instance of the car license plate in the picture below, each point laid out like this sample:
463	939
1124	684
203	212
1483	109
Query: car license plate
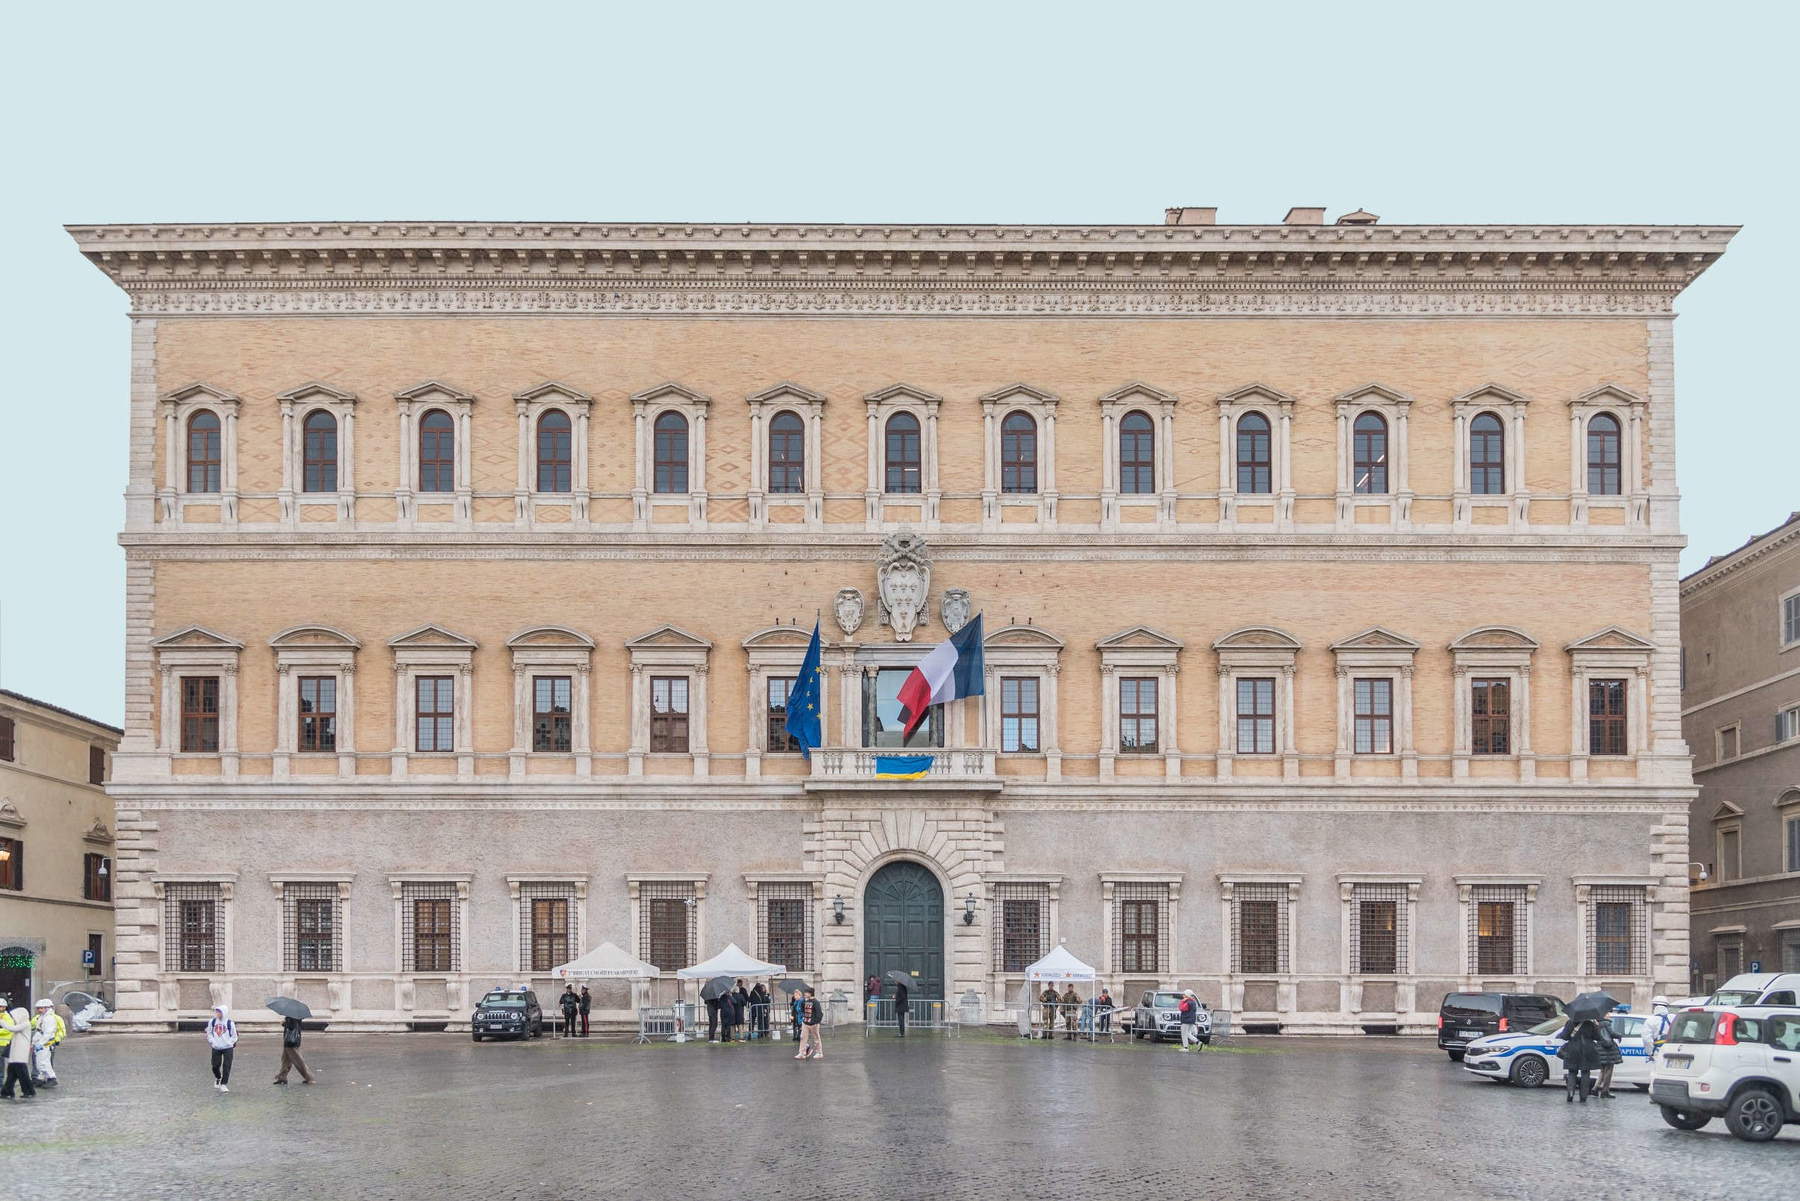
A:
1678	1061
1468	1034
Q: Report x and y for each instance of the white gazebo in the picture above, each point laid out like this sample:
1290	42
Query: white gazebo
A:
1058	967
609	962
732	961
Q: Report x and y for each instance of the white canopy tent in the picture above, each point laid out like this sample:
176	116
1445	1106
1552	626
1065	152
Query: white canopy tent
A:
605	962
732	961
1060	966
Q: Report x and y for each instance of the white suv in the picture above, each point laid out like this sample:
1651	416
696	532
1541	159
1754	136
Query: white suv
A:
1743	1064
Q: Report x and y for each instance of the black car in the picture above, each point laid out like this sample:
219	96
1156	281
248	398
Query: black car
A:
1467	1016
507	1013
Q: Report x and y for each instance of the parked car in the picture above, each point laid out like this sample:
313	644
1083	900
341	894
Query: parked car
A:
1758	988
1743	1066
1466	1016
1528	1058
1158	1017
507	1013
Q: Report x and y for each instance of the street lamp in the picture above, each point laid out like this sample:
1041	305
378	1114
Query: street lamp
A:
969	910
837	909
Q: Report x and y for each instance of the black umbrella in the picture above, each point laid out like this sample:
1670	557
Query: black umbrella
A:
717	987
288	1007
791	985
77	1001
1594	1005
900	977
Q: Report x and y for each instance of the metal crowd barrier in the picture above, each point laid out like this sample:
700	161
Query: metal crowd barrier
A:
672	1023
1082	1020
879	1013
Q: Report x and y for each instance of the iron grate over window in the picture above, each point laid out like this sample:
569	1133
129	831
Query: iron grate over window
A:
1141	927
431	927
668	923
1618	930
1021	925
547	925
1497	929
310	922
784	925
193	927
1378	940
1259	928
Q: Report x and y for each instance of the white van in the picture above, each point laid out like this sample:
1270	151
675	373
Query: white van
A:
1759	988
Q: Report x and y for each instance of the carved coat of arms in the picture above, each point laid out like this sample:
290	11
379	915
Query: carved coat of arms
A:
903	583
847	607
955	607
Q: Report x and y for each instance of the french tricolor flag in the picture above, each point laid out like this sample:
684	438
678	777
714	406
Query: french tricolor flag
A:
950	672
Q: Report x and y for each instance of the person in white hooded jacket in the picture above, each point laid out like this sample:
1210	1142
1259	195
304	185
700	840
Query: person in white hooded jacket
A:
17	1024
47	1030
221	1036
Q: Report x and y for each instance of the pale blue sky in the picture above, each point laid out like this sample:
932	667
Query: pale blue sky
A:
1103	113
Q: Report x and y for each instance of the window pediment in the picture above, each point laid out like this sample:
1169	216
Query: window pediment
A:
1607	396
317	393
432	636
550	636
1498	638
199	393
313	635
1025	636
196	638
1726	811
786	393
1790	797
671	393
1612	638
1375	396
1256	395
1139	638
669	636
10	817
1257	638
1376	638
903	394
1134	394
435	391
1019	394
552	392
1491	394
779	636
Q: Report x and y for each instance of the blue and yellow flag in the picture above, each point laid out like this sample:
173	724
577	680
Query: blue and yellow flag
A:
803	723
902	767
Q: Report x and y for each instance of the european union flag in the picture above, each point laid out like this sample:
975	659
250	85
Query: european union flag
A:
803	700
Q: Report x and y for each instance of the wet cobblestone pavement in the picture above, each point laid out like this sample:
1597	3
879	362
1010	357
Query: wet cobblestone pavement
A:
981	1116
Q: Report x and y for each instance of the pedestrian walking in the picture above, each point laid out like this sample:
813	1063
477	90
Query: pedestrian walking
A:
1049	1000
1610	1057
1103	1007
571	1004
1580	1054
1071	1012
290	1052
811	1017
902	1001
796	1006
47	1030
587	1003
221	1036
1189	1013
17	1028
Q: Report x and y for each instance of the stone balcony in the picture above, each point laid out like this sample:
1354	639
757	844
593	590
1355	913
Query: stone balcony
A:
834	767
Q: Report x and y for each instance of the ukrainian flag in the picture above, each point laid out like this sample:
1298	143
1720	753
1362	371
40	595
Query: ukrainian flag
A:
902	767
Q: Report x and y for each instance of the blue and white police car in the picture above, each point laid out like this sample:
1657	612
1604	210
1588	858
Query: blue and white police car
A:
1528	1058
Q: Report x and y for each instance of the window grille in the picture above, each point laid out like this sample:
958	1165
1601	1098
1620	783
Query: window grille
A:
668	917
547	925
1259	928
1497	929
1141	927
310	919
1378	929
431	926
784	924
1021	925
1618	931
193	927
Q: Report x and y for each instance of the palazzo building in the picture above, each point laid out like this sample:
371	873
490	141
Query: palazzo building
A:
1329	576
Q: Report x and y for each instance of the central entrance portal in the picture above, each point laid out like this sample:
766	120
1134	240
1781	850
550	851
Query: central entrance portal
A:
903	927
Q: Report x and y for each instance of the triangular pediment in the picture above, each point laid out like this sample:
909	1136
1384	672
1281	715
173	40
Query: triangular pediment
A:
1138	393
550	636
1608	394
668	635
1726	810
903	394
788	393
1491	394
432	635
550	390
200	391
1373	393
313	636
436	390
1019	394
1025	635
315	391
780	636
1612	638
196	636
97	833
1257	638
1376	638
1256	394
1495	638
670	393
1140	637
10	815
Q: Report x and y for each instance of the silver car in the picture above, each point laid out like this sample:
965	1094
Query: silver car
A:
1158	1015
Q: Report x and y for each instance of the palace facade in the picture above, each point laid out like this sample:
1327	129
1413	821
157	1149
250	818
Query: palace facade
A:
1328	575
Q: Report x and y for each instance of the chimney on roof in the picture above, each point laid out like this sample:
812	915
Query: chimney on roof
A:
1191	216
1305	216
1359	217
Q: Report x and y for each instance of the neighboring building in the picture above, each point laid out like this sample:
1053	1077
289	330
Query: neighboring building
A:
1740	646
1329	577
56	848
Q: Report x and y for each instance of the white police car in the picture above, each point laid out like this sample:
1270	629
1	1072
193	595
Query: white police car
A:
1528	1058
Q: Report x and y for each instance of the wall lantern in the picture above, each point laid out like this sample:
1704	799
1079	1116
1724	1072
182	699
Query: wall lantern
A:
837	909
969	910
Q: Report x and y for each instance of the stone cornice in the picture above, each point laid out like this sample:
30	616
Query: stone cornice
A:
1784	536
998	270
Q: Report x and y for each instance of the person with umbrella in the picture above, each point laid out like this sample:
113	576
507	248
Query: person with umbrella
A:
221	1036
717	995
292	1012
1584	1046
902	998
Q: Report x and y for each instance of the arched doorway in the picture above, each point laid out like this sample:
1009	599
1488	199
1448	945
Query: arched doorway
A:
903	926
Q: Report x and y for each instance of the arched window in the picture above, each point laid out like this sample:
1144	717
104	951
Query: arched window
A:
203	452
437	452
1487	455
319	452
787	453
671	453
1369	455
1018	453
1137	454
1603	455
1255	464
904	459
555	452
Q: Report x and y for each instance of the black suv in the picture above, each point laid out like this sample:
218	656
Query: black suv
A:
507	1013
1467	1016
